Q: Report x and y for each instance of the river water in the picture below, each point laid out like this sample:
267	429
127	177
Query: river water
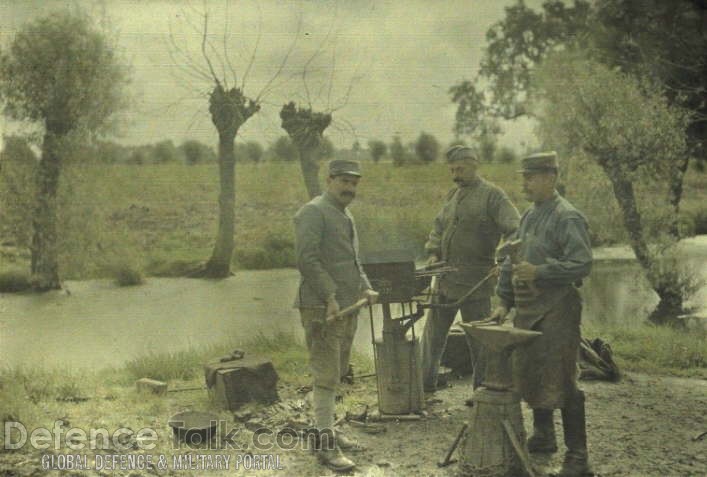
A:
97	324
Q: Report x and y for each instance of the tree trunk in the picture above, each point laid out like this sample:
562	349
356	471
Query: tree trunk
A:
45	266
219	265
671	301
677	175
310	170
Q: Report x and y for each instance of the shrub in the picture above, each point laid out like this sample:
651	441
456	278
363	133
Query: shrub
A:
12	281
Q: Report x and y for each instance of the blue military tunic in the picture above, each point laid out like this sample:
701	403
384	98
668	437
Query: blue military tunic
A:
326	246
555	238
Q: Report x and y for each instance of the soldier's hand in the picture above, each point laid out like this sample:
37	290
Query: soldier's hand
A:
372	296
525	272
332	306
499	314
431	260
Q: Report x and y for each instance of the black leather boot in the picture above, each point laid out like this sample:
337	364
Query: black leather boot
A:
576	462
543	439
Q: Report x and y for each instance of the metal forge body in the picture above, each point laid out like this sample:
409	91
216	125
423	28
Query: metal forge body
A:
398	370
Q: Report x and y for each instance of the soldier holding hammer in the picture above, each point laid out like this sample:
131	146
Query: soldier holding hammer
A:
332	279
554	256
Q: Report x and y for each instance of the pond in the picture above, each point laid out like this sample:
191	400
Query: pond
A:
96	324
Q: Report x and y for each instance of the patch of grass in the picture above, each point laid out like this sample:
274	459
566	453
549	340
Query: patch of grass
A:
654	349
275	252
175	268
12	281
126	275
289	357
179	365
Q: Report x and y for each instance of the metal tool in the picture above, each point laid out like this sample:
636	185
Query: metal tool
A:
448	458
522	455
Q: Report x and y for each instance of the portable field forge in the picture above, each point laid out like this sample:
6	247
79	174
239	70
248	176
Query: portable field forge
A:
397	353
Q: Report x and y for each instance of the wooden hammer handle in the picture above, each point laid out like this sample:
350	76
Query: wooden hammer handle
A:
348	310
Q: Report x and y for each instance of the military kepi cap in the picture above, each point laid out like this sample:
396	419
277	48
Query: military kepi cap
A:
540	162
339	167
458	153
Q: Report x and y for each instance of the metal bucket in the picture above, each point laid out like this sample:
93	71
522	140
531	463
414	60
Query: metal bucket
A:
194	427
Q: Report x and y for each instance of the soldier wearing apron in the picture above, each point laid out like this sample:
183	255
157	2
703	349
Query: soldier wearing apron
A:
554	257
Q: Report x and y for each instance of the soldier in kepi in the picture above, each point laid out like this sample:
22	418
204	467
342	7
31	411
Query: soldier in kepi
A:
332	279
475	215
541	283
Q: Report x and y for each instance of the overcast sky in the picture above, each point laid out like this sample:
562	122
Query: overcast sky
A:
397	58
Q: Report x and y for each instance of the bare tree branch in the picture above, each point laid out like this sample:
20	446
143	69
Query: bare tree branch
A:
282	63
225	48
331	77
188	63
255	49
203	47
347	95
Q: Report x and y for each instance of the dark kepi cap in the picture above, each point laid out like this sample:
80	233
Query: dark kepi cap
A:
458	153
540	162
339	167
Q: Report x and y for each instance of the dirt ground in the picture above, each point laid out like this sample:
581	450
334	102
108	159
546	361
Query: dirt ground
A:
641	426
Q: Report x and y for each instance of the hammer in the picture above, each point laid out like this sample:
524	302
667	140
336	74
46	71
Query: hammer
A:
348	310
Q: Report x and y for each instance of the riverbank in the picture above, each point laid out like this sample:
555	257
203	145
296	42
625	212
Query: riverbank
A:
643	425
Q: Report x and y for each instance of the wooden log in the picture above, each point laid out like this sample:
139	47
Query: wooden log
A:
485	448
151	385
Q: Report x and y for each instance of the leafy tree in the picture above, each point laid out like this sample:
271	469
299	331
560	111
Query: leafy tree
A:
377	149
283	149
196	152
18	165
487	147
61	72
165	152
326	148
398	152
254	151
506	155
654	39
426	147
109	152
589	111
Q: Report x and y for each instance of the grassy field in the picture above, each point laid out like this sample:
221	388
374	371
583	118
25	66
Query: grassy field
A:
157	218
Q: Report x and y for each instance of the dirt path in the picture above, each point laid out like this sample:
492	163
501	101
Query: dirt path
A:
642	426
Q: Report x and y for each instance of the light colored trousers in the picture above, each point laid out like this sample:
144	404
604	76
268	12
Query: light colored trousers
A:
329	345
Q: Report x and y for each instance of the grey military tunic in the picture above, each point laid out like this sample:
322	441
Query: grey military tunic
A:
326	246
466	232
554	238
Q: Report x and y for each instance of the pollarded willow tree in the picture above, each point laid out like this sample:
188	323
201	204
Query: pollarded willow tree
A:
305	125
61	73
229	107
632	132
